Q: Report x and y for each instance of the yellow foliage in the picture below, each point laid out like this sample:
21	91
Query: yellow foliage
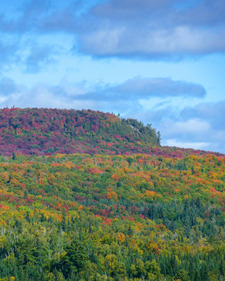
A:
58	155
2	222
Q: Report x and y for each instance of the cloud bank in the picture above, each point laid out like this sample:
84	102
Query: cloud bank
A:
163	29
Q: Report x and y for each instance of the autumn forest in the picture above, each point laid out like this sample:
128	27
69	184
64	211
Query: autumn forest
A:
87	195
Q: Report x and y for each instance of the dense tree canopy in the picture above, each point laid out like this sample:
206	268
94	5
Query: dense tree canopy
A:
35	131
46	131
102	217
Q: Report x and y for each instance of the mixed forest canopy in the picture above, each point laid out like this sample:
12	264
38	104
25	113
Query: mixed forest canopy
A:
87	196
46	131
83	217
39	131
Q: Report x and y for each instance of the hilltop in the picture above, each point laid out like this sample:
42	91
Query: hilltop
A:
41	131
46	131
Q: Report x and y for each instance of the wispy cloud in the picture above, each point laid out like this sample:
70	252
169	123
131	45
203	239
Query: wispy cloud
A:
8	52
145	88
29	15
39	57
41	16
131	90
7	87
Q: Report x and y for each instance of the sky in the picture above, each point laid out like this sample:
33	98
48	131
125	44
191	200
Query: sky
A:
161	62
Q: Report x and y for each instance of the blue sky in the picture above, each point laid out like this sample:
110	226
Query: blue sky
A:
161	62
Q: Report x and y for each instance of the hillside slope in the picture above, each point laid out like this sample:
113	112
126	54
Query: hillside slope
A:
106	217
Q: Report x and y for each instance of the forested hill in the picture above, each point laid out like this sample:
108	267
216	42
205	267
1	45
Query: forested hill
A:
156	214
46	131
39	131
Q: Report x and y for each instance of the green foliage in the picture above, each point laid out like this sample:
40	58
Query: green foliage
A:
75	258
102	217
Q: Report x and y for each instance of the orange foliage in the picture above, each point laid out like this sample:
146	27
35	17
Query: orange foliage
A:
2	222
121	237
150	193
115	177
112	195
14	182
126	170
4	207
80	208
153	247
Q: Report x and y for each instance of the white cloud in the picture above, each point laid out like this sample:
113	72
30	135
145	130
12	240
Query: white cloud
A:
194	145
190	127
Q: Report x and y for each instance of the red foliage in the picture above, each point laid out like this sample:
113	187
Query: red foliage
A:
47	131
107	221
